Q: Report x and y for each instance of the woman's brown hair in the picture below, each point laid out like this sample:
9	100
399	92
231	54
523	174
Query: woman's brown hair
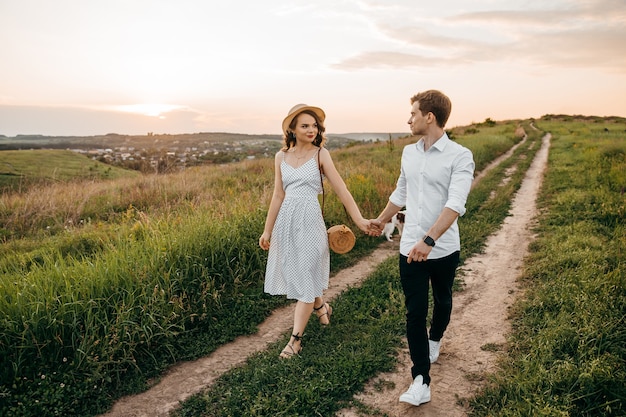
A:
290	138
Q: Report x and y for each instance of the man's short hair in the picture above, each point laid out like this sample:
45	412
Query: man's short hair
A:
435	102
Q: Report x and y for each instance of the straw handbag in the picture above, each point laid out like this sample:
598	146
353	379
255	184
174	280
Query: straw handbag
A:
341	239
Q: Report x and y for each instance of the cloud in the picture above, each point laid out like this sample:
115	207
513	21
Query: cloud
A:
575	48
582	34
100	120
394	60
77	121
599	12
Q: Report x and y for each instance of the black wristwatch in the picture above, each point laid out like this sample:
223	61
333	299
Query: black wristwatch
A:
429	241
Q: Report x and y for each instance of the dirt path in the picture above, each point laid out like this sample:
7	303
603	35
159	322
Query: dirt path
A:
188	378
479	321
479	318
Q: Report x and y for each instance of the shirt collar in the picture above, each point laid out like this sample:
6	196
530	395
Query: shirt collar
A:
440	144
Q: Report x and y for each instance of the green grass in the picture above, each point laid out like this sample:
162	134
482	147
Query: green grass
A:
490	200
568	351
25	167
156	269
367	329
310	385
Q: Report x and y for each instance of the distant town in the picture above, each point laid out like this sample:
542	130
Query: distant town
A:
161	153
175	157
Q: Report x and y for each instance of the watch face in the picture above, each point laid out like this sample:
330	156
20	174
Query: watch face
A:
429	241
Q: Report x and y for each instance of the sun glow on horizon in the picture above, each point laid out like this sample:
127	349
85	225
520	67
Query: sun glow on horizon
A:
149	109
196	66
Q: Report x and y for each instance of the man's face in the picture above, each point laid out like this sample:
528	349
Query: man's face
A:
417	122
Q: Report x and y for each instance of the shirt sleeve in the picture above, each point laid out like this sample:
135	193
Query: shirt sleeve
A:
398	197
461	181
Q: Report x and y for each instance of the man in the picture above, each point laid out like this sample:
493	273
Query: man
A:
435	178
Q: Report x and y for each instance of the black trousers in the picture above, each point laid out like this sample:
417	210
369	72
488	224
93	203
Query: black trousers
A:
415	278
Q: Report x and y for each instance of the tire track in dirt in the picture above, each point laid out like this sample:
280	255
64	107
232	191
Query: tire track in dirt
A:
479	323
188	378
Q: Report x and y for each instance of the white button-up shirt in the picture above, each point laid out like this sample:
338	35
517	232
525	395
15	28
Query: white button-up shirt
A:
429	181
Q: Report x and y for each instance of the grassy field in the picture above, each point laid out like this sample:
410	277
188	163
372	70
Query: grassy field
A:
367	332
107	284
21	169
568	350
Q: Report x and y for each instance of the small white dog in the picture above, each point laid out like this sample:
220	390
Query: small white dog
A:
397	221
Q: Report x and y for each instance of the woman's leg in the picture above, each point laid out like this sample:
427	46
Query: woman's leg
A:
322	310
300	319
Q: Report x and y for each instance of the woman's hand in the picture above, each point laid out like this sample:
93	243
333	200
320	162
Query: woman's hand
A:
375	227
364	225
264	241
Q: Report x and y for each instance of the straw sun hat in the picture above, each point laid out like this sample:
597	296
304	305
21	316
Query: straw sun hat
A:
296	110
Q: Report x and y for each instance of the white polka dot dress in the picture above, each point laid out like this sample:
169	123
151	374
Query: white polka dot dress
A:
298	262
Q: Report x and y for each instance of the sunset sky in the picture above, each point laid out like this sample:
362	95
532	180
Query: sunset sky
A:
88	67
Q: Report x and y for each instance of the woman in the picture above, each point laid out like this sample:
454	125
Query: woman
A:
298	263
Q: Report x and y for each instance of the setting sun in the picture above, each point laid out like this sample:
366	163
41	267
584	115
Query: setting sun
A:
149	109
198	65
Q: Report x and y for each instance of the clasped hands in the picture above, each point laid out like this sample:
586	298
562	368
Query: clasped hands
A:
372	227
419	252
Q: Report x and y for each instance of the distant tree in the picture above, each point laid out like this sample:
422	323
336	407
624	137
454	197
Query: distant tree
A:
390	144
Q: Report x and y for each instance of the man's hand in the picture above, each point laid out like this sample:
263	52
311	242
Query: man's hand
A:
375	228
419	252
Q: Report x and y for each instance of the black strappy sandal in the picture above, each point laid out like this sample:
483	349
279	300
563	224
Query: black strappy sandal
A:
329	312
286	354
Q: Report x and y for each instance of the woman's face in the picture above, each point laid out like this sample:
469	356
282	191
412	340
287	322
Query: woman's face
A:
306	128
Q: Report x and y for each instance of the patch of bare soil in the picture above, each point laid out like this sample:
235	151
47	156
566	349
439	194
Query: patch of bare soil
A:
188	378
479	321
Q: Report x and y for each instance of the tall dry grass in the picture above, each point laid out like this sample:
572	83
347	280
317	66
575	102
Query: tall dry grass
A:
106	283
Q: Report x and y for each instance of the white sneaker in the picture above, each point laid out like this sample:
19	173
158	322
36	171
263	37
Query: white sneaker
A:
418	393
433	350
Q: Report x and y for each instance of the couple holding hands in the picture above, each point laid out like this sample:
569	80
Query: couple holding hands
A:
434	182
